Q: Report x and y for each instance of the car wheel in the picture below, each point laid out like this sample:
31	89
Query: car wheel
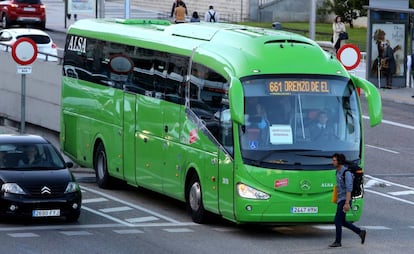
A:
5	21
194	201
73	217
102	176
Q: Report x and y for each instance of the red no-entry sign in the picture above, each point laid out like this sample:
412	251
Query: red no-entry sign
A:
349	55
24	51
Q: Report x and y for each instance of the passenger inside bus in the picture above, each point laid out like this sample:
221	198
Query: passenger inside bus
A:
322	129
258	123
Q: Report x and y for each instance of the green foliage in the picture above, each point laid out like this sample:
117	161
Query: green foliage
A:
348	9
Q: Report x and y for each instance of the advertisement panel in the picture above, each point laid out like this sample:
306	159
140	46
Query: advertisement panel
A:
384	35
81	6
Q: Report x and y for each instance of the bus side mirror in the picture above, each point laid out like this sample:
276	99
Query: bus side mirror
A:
236	101
373	98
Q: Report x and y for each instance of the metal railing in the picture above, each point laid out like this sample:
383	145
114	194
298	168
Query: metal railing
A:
47	57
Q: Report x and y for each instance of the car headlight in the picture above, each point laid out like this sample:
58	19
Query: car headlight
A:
246	191
12	188
72	187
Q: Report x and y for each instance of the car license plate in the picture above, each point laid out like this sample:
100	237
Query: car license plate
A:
304	210
46	213
29	9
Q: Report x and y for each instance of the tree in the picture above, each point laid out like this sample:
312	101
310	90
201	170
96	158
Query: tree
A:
348	9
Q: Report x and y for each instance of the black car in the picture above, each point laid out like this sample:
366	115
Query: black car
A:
35	180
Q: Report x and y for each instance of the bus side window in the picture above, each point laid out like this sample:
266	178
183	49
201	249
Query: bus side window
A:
210	88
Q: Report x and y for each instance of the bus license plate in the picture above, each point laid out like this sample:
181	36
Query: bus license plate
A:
304	210
46	213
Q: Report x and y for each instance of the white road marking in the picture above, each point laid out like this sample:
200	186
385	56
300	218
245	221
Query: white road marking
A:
93	200
107	216
388	183
393	123
23	235
142	219
178	230
324	227
332	227
128	231
75	233
115	209
376	227
225	229
132	205
389	196
401	193
383	149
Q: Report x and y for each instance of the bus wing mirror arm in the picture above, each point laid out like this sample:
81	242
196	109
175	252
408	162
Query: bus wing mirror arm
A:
373	98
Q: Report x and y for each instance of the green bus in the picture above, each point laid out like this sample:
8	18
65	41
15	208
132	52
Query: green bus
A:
219	116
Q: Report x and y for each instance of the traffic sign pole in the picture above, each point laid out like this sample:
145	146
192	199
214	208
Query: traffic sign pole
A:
23	106
24	52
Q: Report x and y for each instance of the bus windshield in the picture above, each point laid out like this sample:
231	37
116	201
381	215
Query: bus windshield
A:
299	122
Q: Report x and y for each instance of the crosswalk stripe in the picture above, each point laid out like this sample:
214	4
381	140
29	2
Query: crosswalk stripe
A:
115	209
377	227
93	200
141	219
178	230
23	235
401	193
75	233
128	231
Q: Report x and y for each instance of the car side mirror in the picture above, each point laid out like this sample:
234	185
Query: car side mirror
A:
69	164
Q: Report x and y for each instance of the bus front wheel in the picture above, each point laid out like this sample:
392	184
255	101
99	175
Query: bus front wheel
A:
103	178
195	202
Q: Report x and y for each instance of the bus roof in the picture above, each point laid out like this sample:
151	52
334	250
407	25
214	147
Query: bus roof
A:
246	50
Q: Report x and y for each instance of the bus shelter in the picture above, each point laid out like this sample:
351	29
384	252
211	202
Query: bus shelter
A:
388	26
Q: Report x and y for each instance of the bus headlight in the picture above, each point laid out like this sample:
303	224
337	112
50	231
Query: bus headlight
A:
246	191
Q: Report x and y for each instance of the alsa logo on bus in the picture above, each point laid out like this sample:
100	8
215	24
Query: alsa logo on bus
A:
77	44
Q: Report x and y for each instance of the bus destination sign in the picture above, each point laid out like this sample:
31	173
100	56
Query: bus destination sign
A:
298	86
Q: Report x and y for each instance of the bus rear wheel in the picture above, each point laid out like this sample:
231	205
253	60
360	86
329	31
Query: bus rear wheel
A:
195	202
103	178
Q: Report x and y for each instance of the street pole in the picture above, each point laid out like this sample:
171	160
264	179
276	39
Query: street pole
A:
312	20
241	10
23	106
127	9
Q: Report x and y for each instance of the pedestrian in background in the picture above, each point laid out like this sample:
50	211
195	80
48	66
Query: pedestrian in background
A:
175	5
211	15
388	63
179	13
338	27
344	183
195	17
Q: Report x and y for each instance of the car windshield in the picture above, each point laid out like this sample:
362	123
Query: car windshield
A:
30	156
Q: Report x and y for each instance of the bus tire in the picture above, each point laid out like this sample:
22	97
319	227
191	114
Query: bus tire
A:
103	179
194	201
